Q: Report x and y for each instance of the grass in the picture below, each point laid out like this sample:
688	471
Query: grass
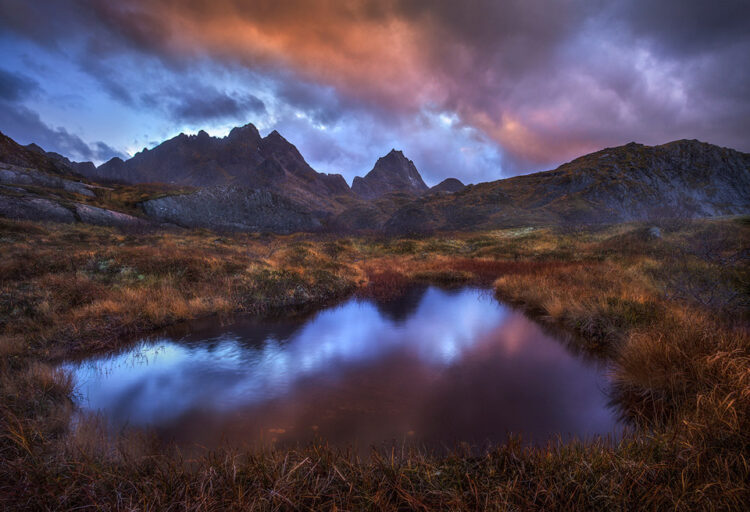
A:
678	343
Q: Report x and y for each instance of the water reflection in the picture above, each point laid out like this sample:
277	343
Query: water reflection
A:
438	367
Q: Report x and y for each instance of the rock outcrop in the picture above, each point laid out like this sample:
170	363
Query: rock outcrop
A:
233	208
34	208
392	173
103	217
14	175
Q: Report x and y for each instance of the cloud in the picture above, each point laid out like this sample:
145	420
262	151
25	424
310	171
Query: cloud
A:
534	82
208	104
543	79
25	126
15	87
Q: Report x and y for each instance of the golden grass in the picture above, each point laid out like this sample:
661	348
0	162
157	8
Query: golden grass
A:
680	365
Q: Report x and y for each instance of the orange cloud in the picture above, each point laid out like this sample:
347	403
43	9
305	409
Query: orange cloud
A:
360	49
546	80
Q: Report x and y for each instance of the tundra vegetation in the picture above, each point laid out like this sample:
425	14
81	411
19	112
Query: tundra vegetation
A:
667	307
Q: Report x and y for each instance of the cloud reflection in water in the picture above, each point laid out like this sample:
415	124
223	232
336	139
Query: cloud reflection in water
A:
459	359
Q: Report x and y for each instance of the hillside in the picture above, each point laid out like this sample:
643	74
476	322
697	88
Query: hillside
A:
684	178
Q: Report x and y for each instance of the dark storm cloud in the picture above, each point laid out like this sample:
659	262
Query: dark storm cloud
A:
544	81
24	125
211	105
686	27
195	103
15	87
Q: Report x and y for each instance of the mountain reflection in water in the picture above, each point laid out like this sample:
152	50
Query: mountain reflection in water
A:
437	367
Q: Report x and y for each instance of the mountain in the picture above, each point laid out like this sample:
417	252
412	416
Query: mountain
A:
32	157
392	173
249	183
684	178
79	168
242	158
45	186
448	186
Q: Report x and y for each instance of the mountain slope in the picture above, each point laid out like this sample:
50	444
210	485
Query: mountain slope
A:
392	173
32	157
684	178
242	158
232	208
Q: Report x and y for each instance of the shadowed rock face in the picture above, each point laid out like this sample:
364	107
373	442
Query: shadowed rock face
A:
232	208
34	208
14	175
242	158
392	173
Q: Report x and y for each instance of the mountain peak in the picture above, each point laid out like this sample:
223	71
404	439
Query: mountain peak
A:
448	185
242	158
35	148
249	131
391	173
274	136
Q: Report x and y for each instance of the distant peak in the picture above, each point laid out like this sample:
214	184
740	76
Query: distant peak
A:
35	148
203	134
394	157
448	185
276	139
395	154
392	173
247	131
454	181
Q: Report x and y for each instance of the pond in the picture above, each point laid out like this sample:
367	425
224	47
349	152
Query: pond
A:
435	367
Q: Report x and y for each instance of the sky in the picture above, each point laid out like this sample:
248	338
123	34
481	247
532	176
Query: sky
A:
476	89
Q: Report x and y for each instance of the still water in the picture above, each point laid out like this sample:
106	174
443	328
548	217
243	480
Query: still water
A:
436	367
